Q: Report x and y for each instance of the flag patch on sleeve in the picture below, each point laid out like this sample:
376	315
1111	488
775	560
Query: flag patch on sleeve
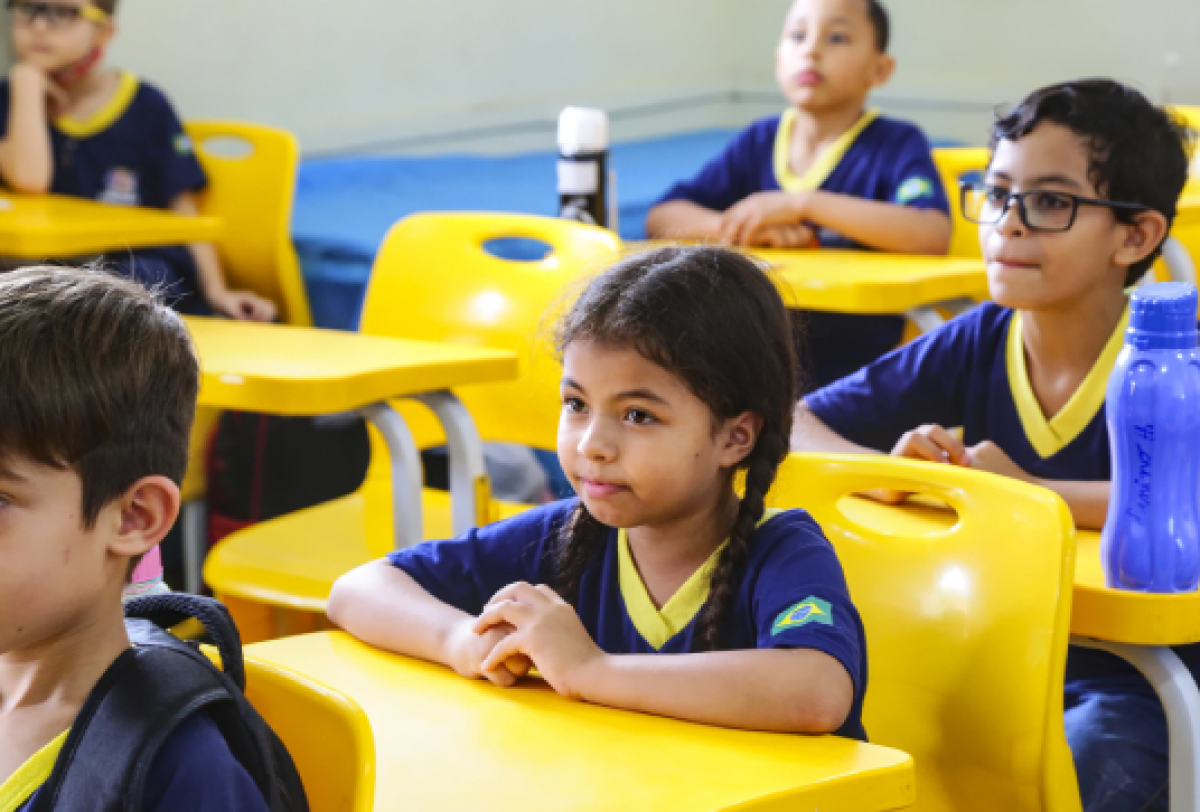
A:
809	610
914	189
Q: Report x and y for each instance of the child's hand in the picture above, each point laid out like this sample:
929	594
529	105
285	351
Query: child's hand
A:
931	443
548	632
242	305
27	78
469	649
987	456
759	211
784	236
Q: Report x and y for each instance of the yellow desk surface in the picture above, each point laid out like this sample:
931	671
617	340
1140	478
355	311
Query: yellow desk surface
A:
1113	615
1121	616
41	226
306	371
865	281
447	743
868	282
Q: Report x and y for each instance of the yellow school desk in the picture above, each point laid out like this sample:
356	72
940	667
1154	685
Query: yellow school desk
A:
301	371
445	743
1141	628
870	282
40	226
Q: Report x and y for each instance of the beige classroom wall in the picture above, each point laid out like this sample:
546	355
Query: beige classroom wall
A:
483	75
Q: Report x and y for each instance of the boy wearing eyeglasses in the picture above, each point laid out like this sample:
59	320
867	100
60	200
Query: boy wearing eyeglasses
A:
1078	198
68	126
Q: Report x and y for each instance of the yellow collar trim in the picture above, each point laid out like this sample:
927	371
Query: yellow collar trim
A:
657	626
103	118
826	162
30	775
1048	437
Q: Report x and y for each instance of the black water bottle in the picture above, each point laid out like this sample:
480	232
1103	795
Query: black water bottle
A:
583	165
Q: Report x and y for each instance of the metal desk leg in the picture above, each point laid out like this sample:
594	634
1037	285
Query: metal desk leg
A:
928	319
1179	261
194	529
469	487
407	476
1181	700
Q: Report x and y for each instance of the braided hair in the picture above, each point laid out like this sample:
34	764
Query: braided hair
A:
713	318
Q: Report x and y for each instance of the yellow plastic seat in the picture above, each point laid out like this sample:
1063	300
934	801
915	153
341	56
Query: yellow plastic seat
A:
967	612
952	164
251	171
433	280
326	732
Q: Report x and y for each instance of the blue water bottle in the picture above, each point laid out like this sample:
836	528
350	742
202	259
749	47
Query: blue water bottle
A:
1151	539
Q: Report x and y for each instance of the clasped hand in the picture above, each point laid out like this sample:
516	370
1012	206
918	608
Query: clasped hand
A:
768	220
524	626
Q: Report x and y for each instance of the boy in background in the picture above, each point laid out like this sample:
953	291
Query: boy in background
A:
73	128
826	172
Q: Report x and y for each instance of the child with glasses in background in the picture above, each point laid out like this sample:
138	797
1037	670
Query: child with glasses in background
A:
1076	203
68	126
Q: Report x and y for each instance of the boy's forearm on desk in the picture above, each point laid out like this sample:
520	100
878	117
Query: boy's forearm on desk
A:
883	226
682	220
810	433
785	690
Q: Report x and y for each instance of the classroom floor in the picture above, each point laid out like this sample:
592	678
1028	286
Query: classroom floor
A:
344	206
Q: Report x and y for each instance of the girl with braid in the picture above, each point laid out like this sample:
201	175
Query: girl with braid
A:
659	588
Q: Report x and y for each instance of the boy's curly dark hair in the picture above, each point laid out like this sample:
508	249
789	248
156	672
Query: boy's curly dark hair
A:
1138	152
713	318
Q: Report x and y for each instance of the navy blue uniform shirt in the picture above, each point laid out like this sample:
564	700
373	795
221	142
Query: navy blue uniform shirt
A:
792	595
889	161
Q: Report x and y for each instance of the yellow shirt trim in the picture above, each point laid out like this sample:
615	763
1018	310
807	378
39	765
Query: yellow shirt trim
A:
1048	437
826	162
657	626
30	775
103	118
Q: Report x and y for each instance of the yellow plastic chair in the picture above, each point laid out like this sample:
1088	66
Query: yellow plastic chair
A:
433	280
327	734
967	612
952	164
251	172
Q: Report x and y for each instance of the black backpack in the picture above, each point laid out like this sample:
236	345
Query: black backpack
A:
145	695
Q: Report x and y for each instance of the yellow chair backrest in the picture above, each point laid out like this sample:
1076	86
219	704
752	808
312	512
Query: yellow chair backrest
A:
967	616
251	172
327	734
952	163
434	280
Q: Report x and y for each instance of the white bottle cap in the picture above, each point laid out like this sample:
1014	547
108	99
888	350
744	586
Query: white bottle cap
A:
581	129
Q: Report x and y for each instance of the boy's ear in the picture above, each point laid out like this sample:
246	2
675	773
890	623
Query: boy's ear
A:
147	513
741	433
1142	236
882	70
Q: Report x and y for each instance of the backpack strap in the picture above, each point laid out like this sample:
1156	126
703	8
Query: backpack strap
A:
171	609
143	697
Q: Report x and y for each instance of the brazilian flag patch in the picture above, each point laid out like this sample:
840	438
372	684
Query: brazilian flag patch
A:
809	610
914	189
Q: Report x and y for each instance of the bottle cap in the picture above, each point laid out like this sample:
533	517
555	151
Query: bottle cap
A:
1163	317
581	130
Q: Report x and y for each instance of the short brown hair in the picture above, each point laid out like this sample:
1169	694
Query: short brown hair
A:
96	375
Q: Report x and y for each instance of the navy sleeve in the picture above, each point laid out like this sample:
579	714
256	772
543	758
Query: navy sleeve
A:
922	382
195	772
915	181
467	571
732	175
3	108
800	596
171	150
